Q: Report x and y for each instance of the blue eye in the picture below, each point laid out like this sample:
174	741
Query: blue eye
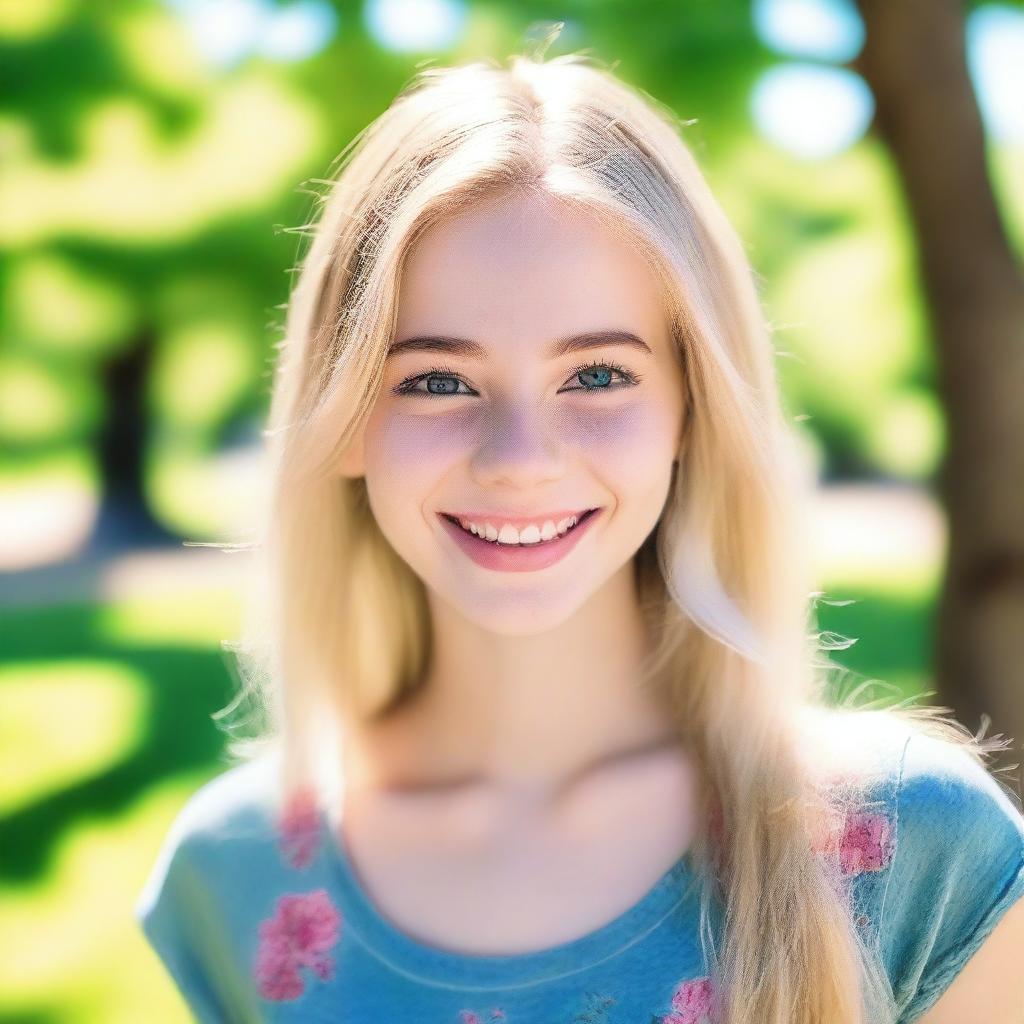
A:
444	374
449	379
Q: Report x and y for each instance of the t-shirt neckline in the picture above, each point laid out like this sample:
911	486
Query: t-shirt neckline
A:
431	964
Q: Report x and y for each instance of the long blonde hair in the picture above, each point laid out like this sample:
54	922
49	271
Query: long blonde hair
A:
338	629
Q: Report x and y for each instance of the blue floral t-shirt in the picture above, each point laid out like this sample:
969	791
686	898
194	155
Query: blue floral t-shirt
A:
261	916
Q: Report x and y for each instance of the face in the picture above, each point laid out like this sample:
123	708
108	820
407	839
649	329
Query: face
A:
490	416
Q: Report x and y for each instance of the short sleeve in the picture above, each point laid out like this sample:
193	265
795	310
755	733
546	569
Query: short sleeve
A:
180	915
957	868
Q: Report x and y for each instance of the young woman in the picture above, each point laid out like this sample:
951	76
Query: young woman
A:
548	739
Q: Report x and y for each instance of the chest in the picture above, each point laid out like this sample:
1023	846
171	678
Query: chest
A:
473	873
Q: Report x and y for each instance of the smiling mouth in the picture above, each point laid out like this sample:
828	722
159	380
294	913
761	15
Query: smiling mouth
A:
583	517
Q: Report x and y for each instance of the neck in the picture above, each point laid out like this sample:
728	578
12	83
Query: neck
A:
521	715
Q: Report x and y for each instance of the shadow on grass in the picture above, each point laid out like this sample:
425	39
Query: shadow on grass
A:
184	687
55	1016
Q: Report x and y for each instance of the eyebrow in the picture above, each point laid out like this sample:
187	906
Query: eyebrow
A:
561	347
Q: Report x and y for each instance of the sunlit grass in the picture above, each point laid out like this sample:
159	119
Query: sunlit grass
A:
883	604
72	948
59	723
70	467
909	580
888	628
200	619
109	711
203	497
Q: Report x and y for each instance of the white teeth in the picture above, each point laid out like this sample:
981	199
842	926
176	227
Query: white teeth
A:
531	534
527	535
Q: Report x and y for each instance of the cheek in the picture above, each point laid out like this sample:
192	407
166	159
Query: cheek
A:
399	443
631	444
405	455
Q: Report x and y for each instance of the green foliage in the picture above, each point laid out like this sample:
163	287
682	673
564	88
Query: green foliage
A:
149	198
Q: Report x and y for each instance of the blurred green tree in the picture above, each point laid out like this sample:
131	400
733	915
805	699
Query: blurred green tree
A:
914	59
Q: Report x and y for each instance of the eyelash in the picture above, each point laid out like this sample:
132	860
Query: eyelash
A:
407	385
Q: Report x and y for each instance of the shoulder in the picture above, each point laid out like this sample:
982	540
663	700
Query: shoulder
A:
953	814
943	808
957	868
236	807
931	783
222	827
938	774
853	750
230	872
933	841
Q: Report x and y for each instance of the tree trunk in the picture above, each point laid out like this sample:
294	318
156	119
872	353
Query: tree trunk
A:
125	518
915	64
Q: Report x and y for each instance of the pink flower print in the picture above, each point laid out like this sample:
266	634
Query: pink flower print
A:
862	840
300	828
866	843
692	1002
469	1017
304	927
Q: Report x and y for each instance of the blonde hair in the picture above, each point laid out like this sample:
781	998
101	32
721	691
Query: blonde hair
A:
338	627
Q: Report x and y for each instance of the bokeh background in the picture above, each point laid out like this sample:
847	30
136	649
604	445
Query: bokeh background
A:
158	162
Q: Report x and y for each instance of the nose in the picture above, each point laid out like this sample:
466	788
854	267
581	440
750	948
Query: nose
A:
523	447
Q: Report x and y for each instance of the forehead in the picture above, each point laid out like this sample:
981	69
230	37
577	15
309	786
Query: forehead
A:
526	267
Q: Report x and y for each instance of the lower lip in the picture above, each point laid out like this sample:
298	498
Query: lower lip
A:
519	557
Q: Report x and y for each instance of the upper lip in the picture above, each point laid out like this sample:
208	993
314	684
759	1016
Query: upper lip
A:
518	520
